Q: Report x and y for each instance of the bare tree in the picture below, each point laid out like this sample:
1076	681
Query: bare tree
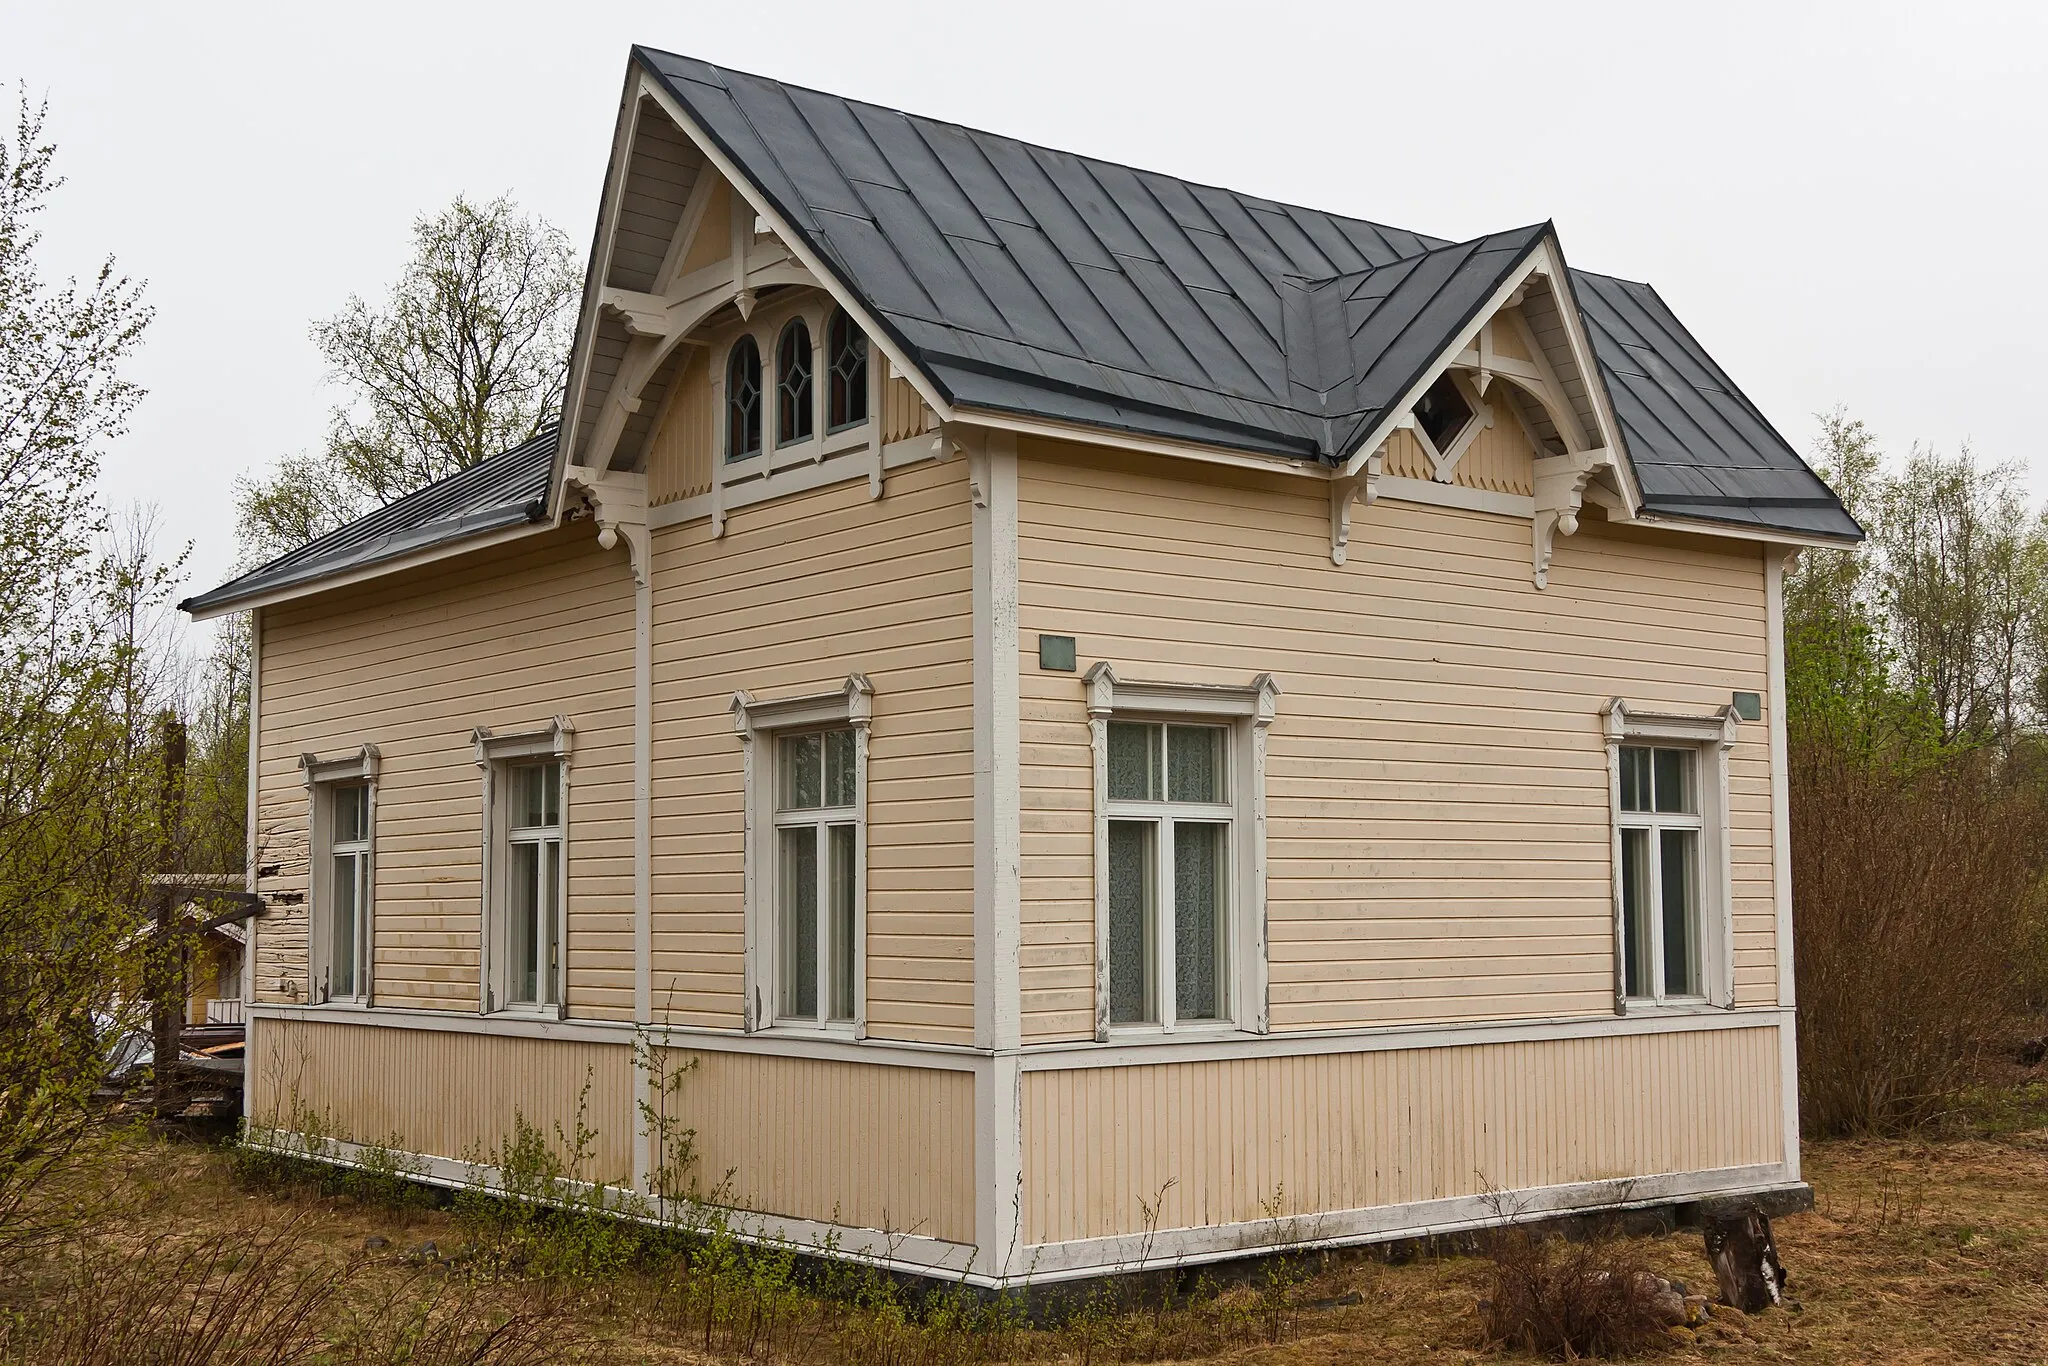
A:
466	357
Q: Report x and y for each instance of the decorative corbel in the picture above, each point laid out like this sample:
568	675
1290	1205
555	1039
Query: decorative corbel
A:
618	503
1346	490
642	315
1560	491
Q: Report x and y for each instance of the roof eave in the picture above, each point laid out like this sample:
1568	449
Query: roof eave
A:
519	521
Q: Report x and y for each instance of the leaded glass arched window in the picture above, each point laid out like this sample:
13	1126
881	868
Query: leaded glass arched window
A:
795	410
846	349
743	400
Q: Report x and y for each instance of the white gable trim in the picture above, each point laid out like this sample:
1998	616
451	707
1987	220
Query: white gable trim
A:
900	363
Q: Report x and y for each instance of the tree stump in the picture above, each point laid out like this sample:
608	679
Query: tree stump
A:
1745	1259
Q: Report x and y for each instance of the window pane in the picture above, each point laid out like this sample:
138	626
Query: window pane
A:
798	898
743	400
1674	779
1194	763
550	900
523	904
841	890
1677	869
536	796
839	768
341	963
802	772
1198	872
351	814
1635	912
1133	762
794	410
1443	412
1635	778
1131	864
848	348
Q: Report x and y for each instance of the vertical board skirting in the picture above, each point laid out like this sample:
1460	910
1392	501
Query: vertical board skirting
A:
855	1145
1113	1151
440	1094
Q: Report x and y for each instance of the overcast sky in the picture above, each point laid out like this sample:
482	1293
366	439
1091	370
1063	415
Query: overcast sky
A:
1845	202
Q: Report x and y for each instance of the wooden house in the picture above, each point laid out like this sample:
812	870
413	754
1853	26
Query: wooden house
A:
1075	716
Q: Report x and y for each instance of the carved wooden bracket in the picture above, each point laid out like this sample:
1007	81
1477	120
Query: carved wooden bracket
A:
1346	490
618	504
1560	492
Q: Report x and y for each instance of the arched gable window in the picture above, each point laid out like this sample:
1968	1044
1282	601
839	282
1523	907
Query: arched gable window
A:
846	348
795	412
743	400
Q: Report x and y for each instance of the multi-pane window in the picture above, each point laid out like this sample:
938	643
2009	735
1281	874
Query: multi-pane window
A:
347	888
531	886
817	845
846	350
795	413
1662	948
1170	819
743	400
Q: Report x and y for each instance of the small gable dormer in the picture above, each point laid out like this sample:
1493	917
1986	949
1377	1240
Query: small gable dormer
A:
1472	373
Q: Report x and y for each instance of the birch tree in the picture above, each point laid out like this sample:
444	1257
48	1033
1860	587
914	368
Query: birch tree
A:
465	357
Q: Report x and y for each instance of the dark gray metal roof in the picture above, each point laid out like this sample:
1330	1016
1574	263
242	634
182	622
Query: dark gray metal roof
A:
507	489
1029	280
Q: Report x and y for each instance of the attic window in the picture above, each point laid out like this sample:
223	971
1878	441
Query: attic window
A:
1442	413
743	400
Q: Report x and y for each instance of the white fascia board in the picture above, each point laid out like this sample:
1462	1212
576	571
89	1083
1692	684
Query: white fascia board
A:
1589	370
1147	445
1730	531
594	277
363	573
651	86
1396	413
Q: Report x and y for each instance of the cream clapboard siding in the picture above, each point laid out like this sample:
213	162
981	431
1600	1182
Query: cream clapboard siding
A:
438	1093
1438	837
858	1145
412	663
1226	1142
799	593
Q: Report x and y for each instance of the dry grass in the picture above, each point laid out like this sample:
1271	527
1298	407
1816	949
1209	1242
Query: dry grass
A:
1919	1252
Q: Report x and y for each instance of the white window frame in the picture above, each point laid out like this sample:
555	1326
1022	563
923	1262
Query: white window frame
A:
1443	464
817	460
1710	736
1247	710
760	726
322	777
495	755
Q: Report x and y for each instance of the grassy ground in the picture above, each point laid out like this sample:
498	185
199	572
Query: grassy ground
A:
1919	1251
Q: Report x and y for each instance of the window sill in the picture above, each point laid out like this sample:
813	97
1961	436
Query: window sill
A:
837	1033
347	1005
1682	1007
524	1013
1191	1034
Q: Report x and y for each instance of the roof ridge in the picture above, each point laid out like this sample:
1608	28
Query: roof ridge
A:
1320	281
1039	146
